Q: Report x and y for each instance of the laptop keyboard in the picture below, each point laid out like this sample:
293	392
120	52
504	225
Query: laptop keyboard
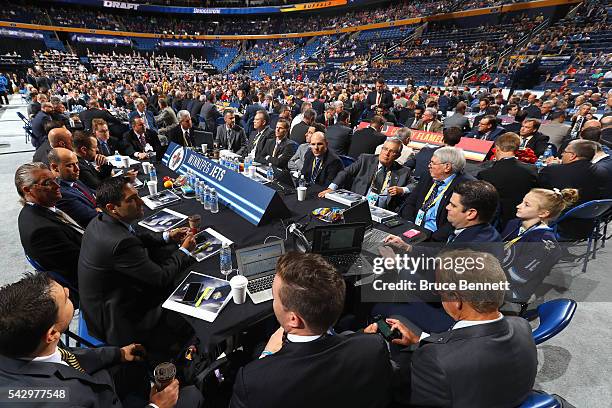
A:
345	260
260	284
375	237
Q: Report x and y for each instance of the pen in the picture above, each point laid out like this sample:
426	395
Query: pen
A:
200	299
203	247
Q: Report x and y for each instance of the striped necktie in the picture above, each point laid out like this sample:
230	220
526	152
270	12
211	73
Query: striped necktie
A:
70	359
66	219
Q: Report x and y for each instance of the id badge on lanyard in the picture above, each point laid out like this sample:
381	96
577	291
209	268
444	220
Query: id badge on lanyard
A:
420	217
372	198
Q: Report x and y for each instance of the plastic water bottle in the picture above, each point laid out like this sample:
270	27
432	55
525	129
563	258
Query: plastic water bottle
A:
153	174
198	191
270	173
248	162
202	195
236	165
539	163
547	153
225	259
214	201
206	197
302	182
117	159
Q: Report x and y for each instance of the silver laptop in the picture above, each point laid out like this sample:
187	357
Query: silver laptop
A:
360	212
258	264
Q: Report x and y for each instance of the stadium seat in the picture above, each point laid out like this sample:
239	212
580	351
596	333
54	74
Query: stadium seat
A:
540	400
554	316
346	160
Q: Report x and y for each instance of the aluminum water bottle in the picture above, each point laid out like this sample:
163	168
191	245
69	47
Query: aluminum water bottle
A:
270	173
214	201
225	259
206	197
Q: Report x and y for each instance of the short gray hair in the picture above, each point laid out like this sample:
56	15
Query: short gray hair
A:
183	114
24	177
138	101
396	140
452	155
404	134
433	112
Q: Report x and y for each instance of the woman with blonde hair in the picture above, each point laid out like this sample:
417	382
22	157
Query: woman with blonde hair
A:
530	246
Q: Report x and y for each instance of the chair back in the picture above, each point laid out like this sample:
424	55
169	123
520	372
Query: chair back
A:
554	316
346	160
540	400
84	334
587	211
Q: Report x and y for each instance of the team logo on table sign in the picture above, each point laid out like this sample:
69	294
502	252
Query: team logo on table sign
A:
176	158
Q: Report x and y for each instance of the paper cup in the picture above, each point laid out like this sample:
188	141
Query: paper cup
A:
164	373
204	148
301	193
252	170
146	167
239	284
152	185
194	223
126	161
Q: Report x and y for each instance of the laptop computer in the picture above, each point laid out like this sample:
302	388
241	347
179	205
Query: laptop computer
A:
341	246
360	212
201	137
258	264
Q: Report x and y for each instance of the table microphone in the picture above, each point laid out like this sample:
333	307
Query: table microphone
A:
299	240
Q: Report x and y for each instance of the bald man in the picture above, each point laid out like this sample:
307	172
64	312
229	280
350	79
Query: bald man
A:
78	200
320	163
58	137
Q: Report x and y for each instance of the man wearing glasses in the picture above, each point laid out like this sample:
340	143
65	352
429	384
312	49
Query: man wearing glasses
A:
378	177
426	206
107	145
48	235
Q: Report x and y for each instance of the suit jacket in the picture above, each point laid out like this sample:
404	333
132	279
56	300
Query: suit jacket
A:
512	180
131	143
236	141
324	121
580	174
315	366
339	138
148	116
113	145
356	112
386	99
120	287
88	115
556	132
94	388
210	114
298	133
266	135
42	152
436	126
328	169
75	203
49	241
358	177
38	128
604	167
538	143
90	176
419	163
279	158
457	120
166	118
175	134
415	201
500	372
493	134
533	112
365	141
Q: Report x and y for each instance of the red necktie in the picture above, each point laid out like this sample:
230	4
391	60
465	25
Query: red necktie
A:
378	96
83	191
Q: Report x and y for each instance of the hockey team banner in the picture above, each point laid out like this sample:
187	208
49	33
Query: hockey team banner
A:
155	8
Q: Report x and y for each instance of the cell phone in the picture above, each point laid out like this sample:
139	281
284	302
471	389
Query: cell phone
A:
192	292
411	233
385	330
393	222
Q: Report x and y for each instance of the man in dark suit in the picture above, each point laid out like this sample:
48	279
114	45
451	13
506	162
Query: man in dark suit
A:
575	171
182	134
531	138
120	286
58	137
419	163
339	136
380	178
38	124
438	373
260	135
367	139
321	164
107	144
533	109
458	119
328	118
231	136
426	205
209	113
487	129
93	167
142	112
357	109
380	96
298	133
31	354
138	142
78	200
47	235
429	123
196	108
512	178
308	299
515	127
278	151
94	112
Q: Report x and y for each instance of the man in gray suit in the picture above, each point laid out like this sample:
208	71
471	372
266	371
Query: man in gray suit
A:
166	117
429	123
210	113
556	130
458	119
378	177
230	136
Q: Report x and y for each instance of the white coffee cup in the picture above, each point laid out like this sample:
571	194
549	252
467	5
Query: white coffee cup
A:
301	192
146	167
204	148
126	161
252	170
152	185
239	284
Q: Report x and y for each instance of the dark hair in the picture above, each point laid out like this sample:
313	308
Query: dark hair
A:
265	115
110	191
508	142
591	133
27	311
312	288
377	120
511	106
557	114
285	122
492	120
343	116
310	114
82	139
536	123
319	127
585	149
52	124
452	135
162	102
210	97
521	116
479	195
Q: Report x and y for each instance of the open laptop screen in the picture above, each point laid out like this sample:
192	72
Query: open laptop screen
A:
338	239
260	259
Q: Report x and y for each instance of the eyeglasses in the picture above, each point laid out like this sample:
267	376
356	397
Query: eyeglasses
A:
431	163
386	149
48	182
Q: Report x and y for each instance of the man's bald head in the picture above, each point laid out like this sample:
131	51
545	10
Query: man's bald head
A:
318	144
60	137
592	123
64	164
